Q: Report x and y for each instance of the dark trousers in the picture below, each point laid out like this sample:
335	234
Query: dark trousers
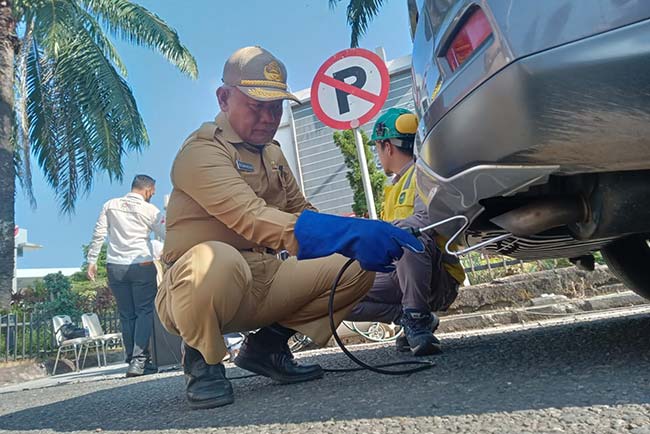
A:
134	287
419	282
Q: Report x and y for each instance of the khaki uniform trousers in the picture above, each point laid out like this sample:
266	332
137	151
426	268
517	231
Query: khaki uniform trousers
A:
214	289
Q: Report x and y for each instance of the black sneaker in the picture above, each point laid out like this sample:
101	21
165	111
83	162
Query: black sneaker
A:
418	333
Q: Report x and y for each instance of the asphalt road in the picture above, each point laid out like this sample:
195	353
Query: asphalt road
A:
586	376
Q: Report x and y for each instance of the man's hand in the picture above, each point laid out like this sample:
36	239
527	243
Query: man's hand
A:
375	244
92	271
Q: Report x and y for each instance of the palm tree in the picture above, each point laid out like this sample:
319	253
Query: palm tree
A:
360	14
72	109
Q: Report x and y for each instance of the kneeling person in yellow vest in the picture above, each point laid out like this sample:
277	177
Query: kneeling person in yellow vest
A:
421	283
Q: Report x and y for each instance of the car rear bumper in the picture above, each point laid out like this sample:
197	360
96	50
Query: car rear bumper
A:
582	107
460	194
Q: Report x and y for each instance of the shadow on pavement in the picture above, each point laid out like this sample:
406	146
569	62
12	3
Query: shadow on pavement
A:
604	362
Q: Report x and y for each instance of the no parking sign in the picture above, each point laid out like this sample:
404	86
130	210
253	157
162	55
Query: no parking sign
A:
350	88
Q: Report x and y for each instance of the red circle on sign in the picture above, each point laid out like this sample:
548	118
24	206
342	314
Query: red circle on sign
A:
377	100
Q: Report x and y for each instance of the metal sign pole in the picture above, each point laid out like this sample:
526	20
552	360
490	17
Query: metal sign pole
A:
365	176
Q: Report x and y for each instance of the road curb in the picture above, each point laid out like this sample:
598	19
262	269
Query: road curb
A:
536	313
525	298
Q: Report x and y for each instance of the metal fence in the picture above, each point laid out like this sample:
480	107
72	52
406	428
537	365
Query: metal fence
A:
482	268
30	335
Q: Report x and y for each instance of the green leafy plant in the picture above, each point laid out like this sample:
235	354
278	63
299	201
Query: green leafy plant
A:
95	296
344	140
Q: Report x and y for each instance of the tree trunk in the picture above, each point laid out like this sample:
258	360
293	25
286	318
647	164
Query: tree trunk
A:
7	168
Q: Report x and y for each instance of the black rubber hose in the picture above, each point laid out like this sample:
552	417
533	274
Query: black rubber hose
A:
424	364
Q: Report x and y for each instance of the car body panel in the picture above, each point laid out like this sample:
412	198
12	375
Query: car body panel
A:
526	106
549	106
520	29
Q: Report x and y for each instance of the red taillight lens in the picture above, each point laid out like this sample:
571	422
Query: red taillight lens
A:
475	30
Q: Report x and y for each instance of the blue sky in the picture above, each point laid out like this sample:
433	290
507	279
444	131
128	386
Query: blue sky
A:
303	34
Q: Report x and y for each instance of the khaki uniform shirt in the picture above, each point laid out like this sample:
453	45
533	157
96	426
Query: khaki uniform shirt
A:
230	191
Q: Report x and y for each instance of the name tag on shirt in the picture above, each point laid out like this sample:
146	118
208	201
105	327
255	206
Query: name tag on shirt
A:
242	166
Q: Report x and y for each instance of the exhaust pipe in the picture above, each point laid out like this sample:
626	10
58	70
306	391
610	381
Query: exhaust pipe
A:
543	214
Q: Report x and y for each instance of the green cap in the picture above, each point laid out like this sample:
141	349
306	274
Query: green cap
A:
396	123
258	74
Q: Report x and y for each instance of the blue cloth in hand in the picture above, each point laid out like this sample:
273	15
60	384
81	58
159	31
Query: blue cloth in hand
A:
374	243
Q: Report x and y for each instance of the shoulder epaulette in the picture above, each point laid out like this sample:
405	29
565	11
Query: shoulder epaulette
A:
208	131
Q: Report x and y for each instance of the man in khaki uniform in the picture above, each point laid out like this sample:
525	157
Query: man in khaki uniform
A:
234	204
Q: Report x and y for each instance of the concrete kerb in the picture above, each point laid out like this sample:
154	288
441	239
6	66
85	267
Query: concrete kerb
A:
517	291
481	320
530	297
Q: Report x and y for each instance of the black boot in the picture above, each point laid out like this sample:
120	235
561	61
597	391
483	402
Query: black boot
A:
267	353
418	335
206	386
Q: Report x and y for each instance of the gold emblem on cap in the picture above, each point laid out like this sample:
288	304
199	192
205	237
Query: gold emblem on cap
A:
273	72
264	83
266	93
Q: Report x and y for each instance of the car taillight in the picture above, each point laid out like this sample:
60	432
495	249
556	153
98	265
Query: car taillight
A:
471	35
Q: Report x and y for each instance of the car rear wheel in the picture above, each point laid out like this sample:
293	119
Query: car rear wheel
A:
629	259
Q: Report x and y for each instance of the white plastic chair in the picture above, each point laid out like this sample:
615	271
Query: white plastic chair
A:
65	345
90	321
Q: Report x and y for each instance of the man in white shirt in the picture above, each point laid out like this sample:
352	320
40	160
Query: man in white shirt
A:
128	221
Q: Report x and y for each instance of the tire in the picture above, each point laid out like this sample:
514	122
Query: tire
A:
629	259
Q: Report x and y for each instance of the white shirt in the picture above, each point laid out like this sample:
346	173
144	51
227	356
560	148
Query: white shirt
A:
128	221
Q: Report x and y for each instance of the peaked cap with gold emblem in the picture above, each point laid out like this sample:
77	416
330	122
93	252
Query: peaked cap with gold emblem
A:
258	74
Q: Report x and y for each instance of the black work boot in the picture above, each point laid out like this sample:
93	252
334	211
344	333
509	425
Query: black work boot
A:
206	386
418	335
267	353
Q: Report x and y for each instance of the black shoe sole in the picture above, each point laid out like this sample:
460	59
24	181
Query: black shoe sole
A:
134	374
428	349
402	345
211	403
253	366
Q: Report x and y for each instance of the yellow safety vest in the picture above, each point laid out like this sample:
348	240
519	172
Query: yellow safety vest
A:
399	202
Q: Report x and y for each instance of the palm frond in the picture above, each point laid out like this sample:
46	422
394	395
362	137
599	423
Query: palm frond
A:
96	33
83	114
76	113
39	109
360	13
55	19
139	26
21	133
